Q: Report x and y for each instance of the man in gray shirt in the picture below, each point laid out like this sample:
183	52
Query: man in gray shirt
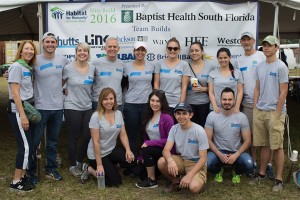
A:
49	102
109	72
225	130
191	145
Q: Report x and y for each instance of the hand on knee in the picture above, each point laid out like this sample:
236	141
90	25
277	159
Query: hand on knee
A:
162	163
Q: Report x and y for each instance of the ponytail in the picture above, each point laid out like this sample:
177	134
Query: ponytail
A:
231	69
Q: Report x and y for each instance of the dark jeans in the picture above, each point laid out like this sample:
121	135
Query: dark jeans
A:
133	117
77	123
151	155
243	164
24	141
200	113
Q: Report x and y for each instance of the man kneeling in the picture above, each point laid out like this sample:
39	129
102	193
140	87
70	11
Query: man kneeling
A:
225	131
191	145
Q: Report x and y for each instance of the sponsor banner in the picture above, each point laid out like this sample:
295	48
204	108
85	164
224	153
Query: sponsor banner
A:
215	25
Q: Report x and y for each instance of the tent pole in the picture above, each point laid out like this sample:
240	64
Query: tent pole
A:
40	16
275	28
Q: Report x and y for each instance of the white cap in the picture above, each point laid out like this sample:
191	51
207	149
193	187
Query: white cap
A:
49	34
250	35
139	44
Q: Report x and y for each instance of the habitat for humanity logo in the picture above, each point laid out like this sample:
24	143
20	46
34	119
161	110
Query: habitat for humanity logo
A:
127	16
57	13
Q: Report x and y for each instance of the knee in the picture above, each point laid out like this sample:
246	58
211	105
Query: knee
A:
195	187
162	163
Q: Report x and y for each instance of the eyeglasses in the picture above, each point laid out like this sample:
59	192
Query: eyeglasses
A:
173	48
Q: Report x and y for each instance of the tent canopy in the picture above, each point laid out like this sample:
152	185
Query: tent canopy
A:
18	18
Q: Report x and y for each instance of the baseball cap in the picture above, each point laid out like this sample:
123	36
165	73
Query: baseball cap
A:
49	34
183	106
139	44
271	40
250	35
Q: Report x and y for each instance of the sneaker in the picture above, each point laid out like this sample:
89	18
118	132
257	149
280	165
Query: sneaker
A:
256	180
252	173
296	176
54	175
74	171
278	186
79	166
235	177
31	179
218	177
21	186
85	176
147	183
173	187
270	173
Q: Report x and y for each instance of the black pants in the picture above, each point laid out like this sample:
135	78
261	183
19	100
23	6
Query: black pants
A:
112	176
151	155
200	113
78	123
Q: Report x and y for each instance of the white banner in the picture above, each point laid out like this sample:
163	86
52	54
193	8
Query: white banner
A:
215	25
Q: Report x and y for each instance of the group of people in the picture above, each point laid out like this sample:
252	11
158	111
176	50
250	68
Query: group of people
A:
179	119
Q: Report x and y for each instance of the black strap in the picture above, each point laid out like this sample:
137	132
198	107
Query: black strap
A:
195	75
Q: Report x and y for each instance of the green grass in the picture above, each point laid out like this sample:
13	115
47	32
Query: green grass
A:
71	188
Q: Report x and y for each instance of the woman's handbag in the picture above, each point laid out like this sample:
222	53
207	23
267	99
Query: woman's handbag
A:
32	114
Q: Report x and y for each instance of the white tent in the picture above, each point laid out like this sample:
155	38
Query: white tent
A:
19	20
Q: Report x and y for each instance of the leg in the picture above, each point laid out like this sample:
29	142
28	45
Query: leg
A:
199	179
151	155
243	164
214	164
163	167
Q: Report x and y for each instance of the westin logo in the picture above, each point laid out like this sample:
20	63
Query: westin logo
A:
57	13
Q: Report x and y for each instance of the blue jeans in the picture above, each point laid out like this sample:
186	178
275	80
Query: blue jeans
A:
133	117
243	164
52	120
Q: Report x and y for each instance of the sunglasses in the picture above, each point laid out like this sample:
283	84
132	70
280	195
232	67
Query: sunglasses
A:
159	91
173	48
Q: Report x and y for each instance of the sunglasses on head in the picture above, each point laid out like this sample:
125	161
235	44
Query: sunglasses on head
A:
173	48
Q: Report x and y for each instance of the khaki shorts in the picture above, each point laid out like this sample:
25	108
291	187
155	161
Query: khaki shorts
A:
248	111
268	129
184	166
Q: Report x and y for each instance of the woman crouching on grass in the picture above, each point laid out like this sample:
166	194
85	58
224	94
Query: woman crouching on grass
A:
106	125
156	126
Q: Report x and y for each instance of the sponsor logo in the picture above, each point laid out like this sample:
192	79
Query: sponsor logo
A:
96	41
155	125
191	141
67	42
272	74
228	41
142	38
127	16
135	74
152	56
58	66
149	72
57	13
46	66
118	125
125	39
119	70
204	75
233	125
190	40
124	56
232	79
178	71
70	56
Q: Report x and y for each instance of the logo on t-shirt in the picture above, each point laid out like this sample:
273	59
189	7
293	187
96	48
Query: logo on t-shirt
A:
232	79
273	74
178	71
105	74
58	66
155	125
166	71
149	72
118	125
204	75
192	141
119	70
135	73
233	125
46	66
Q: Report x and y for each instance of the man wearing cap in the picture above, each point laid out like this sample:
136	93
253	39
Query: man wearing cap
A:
225	130
269	110
109	72
49	102
247	63
187	169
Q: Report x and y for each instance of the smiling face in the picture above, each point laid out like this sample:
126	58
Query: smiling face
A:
269	50
82	52
227	100
196	52
183	117
155	103
108	102
49	45
27	52
247	43
140	53
112	48
173	49
223	59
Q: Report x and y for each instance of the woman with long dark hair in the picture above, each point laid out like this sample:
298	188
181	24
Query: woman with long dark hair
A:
156	126
225	76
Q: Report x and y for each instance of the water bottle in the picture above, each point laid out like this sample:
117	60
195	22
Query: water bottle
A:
101	180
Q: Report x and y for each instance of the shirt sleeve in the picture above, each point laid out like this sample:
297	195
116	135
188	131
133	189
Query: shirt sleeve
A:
283	74
94	121
186	69
209	120
14	74
171	136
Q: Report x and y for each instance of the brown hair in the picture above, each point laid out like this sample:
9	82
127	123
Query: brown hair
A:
104	93
20	49
173	39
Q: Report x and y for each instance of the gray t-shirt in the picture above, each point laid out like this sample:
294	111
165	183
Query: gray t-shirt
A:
139	83
108	133
79	87
220	82
247	65
171	79
21	75
227	129
48	82
189	142
270	75
152	130
198	98
108	74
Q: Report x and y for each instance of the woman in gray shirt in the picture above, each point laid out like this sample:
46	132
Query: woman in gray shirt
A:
79	76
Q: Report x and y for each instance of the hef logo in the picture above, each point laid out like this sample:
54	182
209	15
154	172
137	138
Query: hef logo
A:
127	16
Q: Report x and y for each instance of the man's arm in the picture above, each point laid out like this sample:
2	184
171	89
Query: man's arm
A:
283	89
213	147
172	167
256	93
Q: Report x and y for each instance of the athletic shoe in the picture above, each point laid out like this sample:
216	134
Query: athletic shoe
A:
54	175
147	183
235	177
256	180
270	173
74	171
21	186
85	176
252	173
218	177
31	179
296	176
278	186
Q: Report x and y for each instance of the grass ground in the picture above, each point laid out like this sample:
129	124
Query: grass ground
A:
71	188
